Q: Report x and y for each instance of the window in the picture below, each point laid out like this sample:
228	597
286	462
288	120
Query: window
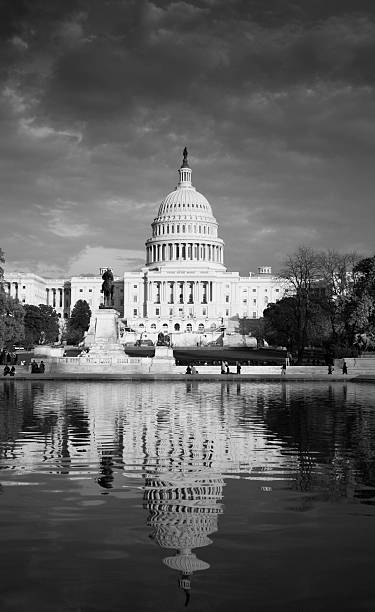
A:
90	290
189	327
177	327
135	286
81	290
153	325
204	312
244	301
171	312
227	313
157	311
227	299
254	315
277	290
254	290
135	312
200	328
265	291
135	298
23	286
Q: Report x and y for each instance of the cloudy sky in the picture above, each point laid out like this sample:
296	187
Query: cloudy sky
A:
274	100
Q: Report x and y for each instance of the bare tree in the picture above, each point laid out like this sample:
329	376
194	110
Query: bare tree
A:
336	271
302	273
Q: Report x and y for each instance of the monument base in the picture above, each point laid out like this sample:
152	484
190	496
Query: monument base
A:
163	360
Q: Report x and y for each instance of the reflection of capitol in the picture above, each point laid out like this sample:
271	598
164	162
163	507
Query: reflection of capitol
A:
183	510
171	441
150	427
175	443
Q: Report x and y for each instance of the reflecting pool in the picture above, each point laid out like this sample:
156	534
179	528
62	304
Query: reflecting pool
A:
205	496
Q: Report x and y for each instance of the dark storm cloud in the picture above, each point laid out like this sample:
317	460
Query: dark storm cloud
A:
274	99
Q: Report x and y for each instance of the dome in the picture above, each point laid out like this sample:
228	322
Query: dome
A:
185	232
185	200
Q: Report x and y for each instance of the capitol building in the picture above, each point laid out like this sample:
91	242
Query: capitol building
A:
183	287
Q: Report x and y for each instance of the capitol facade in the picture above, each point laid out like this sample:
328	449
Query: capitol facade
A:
184	286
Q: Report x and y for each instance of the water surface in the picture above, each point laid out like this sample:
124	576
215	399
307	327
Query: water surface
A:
156	496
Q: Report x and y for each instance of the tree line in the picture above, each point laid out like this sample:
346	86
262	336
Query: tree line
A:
329	302
28	325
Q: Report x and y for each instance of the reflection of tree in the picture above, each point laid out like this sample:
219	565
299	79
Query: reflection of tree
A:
52	417
183	510
10	417
333	439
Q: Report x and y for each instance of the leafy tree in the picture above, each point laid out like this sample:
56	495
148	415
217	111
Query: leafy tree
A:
2	261
253	327
11	321
280	323
41	324
78	323
11	315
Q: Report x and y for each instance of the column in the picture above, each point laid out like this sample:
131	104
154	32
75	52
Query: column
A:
54	298
60	298
47	296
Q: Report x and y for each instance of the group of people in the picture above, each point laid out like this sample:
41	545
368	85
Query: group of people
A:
37	368
8	359
9	370
191	369
225	367
344	368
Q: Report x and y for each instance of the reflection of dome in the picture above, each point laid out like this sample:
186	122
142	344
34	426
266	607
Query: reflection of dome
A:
183	511
186	563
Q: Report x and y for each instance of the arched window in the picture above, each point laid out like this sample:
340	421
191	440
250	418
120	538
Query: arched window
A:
200	328
176	327
189	327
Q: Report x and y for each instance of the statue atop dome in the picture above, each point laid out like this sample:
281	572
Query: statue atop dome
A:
185	163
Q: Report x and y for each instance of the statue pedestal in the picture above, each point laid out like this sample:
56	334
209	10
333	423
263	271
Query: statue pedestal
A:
102	338
163	360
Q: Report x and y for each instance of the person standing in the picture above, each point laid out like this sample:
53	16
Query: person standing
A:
42	367
283	369
344	368
238	367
